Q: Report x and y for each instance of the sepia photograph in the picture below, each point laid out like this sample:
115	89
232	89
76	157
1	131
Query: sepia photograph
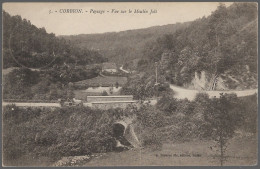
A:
129	84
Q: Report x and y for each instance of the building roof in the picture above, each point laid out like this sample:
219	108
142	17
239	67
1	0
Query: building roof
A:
109	65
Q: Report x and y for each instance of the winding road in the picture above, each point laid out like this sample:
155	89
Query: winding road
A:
179	93
182	93
121	68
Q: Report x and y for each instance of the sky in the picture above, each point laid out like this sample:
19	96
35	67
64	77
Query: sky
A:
53	16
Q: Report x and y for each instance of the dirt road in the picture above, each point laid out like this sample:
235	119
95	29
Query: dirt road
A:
32	104
179	93
182	93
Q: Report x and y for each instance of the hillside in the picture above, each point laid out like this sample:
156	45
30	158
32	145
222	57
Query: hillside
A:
25	45
38	65
124	46
222	46
218	52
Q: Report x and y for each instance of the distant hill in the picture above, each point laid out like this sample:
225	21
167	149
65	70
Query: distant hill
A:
124	46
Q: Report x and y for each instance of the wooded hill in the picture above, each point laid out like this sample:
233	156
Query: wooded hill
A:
124	46
26	45
224	44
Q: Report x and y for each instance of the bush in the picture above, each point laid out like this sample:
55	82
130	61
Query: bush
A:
152	139
104	93
56	133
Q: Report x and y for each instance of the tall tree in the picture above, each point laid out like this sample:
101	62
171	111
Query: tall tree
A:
223	118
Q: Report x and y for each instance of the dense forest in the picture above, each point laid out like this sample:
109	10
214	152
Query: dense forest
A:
223	43
25	45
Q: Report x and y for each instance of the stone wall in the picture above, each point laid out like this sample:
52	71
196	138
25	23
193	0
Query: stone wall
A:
109	98
108	105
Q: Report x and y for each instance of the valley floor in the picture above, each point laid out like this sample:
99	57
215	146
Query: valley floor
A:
242	151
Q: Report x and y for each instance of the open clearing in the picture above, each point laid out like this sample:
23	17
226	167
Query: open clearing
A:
103	81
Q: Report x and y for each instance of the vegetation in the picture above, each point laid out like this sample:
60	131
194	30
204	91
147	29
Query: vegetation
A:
118	47
26	45
104	81
224	42
57	63
37	133
51	84
54	133
142	86
215	119
225	116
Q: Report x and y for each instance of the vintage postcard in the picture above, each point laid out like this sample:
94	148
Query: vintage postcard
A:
129	84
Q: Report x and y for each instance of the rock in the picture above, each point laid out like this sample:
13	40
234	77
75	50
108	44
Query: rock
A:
72	161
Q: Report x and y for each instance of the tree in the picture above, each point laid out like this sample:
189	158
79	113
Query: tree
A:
167	104
222	119
104	93
117	84
111	90
18	82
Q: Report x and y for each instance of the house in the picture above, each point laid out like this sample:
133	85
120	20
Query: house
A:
109	67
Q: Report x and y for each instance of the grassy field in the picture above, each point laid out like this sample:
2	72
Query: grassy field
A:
103	81
242	151
82	94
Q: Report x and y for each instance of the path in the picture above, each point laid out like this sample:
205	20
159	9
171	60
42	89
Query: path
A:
121	68
19	104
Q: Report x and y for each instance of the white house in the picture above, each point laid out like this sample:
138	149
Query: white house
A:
109	67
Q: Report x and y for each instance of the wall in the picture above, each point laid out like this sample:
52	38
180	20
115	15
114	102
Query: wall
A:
109	98
109	105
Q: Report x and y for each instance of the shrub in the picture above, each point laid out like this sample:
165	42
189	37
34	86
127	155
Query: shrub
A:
152	139
104	93
56	133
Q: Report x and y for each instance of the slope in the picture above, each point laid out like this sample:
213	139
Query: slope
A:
123	46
